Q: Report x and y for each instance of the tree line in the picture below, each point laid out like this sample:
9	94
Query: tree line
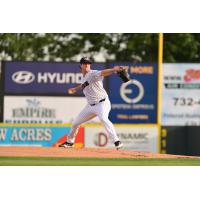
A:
131	47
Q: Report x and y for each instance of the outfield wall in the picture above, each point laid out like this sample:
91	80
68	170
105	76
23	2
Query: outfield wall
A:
180	118
35	93
181	94
28	87
37	135
180	140
137	138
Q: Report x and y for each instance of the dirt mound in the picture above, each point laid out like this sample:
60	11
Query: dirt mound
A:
80	153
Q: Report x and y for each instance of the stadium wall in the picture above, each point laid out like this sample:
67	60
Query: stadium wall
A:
40	97
134	137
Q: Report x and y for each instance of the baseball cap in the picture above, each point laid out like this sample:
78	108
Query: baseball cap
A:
85	60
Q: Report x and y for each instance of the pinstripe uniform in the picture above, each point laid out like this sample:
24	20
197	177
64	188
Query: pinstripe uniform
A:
98	105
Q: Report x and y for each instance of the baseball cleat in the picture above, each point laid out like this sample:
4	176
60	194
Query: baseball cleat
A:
66	145
118	145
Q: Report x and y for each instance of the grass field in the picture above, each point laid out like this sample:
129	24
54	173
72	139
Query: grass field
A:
52	161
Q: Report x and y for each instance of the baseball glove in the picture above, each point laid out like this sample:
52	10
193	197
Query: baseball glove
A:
124	75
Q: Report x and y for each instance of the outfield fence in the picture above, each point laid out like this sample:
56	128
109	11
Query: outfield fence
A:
35	93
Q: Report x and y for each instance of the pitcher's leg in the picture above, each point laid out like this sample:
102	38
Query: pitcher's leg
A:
84	116
109	128
102	110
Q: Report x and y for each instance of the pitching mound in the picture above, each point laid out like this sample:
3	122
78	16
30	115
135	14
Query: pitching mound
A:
80	153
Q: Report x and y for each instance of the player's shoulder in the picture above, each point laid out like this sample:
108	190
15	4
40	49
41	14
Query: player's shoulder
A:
92	72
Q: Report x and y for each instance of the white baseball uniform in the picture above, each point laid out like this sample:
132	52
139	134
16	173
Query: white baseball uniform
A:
98	105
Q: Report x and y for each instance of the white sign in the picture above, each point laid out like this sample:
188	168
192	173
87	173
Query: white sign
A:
181	94
42	110
23	77
135	138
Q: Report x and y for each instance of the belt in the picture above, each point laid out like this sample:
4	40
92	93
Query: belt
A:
98	102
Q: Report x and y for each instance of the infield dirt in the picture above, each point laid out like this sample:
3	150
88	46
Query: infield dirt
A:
81	153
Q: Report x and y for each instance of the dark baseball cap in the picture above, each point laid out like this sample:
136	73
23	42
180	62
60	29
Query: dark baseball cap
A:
85	60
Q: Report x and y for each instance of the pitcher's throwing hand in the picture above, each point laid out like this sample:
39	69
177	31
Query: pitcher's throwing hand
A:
71	91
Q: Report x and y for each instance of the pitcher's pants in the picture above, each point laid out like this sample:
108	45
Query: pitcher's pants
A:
101	110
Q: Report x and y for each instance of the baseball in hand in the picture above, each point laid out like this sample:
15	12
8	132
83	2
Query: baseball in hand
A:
71	91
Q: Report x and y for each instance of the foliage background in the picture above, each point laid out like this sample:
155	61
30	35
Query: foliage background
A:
101	47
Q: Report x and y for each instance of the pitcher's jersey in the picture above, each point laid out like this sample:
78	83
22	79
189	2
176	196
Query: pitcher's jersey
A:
92	85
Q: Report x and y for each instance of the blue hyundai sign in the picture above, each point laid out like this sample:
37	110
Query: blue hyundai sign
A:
44	78
136	100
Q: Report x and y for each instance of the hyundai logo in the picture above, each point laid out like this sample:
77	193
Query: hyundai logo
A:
23	77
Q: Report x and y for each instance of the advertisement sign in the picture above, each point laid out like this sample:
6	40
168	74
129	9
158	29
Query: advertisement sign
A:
37	135
42	110
137	138
42	77
181	95
136	100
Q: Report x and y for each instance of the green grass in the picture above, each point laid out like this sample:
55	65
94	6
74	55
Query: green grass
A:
47	161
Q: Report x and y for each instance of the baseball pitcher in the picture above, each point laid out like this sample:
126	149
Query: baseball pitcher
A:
97	98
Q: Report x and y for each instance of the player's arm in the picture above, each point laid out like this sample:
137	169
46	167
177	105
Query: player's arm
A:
75	89
108	72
